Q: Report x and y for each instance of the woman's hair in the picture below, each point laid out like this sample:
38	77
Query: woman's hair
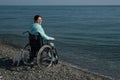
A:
36	17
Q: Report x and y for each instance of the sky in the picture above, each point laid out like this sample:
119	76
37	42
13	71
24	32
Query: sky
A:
59	2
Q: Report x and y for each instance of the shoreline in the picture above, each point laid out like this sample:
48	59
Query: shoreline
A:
64	71
87	71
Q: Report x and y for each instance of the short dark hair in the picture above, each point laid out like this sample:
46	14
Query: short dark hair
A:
36	17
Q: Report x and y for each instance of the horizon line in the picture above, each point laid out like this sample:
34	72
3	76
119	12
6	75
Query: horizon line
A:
59	5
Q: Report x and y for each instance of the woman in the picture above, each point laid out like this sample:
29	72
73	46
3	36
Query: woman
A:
37	35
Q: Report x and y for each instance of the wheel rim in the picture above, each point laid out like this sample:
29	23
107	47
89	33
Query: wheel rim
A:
43	57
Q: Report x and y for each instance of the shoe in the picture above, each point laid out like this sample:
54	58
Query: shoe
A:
31	63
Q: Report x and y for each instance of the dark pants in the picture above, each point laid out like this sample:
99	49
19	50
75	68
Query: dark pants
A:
35	43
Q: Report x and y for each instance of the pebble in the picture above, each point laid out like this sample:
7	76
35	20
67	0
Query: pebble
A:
1	77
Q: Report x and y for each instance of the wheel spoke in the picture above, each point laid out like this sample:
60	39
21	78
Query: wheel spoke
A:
44	57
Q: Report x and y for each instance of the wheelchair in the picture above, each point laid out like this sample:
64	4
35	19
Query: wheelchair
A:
45	55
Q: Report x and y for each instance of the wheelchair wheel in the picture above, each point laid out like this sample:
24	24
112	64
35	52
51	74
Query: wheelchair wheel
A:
27	47
45	56
26	53
55	55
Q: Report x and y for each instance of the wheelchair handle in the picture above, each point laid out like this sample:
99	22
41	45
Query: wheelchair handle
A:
26	32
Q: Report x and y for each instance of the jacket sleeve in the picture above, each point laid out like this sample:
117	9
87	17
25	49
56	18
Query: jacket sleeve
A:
42	32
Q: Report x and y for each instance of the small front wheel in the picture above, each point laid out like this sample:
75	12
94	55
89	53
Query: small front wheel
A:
55	56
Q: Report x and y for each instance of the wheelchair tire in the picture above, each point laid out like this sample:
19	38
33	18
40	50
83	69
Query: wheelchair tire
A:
26	48
45	56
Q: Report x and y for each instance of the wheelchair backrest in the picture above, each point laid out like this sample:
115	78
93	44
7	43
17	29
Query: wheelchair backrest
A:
37	37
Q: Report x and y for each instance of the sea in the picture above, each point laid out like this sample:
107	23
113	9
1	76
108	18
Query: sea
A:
85	36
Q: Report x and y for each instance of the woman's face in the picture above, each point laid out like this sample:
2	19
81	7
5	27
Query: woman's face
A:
39	20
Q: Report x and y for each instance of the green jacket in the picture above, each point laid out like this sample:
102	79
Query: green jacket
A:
38	28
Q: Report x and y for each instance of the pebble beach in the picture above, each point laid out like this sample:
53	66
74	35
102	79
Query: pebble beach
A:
61	71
